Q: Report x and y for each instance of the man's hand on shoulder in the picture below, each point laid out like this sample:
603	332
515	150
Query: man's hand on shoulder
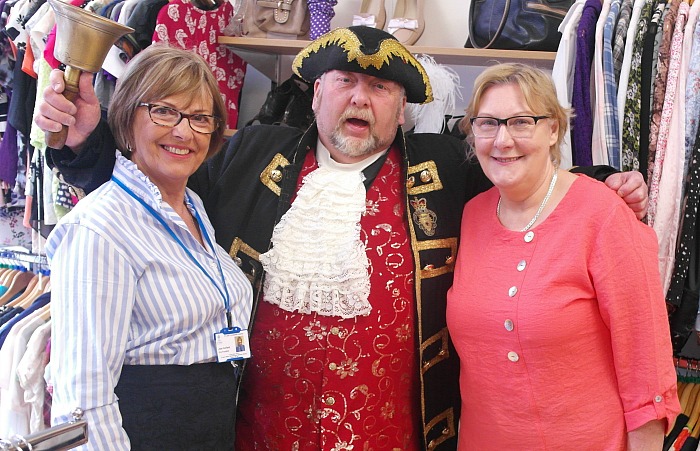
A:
632	188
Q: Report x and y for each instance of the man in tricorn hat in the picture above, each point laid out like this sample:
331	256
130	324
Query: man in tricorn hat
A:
348	232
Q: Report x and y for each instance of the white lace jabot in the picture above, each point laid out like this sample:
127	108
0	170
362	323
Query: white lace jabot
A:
318	262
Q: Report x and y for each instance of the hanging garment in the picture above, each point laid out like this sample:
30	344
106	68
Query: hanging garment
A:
609	98
665	181
669	22
582	123
633	99
182	25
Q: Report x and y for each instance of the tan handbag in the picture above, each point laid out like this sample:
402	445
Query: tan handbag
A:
276	19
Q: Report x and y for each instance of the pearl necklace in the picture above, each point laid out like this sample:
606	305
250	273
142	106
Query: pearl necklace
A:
539	210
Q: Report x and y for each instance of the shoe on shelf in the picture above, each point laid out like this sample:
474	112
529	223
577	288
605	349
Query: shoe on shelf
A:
372	14
407	22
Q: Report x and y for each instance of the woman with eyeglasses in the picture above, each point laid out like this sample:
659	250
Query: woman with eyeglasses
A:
557	311
141	292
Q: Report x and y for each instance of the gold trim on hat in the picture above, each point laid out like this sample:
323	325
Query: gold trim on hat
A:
346	39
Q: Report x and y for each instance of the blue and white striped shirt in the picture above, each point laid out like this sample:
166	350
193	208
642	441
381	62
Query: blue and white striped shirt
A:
125	292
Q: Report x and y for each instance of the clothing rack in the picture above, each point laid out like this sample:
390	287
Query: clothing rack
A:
10	257
686	363
58	438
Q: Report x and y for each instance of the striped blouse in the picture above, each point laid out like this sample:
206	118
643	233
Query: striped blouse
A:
124	291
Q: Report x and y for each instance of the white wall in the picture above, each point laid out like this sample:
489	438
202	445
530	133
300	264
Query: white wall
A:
445	26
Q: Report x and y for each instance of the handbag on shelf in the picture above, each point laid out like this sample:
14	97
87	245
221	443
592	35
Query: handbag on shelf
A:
516	24
281	19
289	103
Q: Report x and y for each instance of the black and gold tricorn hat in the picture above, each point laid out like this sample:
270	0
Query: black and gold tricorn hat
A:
366	50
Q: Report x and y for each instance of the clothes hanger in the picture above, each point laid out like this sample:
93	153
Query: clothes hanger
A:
42	286
44	312
29	295
694	408
693	425
17	284
680	387
3	271
30	287
7	276
695	431
683	398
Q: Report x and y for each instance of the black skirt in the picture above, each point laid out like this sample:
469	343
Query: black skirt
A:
175	407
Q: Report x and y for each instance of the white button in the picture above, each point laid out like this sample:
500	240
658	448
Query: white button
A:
512	291
529	236
508	324
658	398
521	265
513	356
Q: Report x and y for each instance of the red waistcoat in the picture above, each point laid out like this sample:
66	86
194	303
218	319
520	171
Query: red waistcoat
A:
321	382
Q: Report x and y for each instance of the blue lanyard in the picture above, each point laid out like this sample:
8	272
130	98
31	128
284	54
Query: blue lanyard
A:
224	294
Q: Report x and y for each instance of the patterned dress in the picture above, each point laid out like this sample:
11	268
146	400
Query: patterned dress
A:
182	25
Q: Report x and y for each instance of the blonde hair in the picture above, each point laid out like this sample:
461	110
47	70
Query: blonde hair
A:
539	93
157	72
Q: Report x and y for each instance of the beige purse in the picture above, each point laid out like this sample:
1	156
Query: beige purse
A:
281	19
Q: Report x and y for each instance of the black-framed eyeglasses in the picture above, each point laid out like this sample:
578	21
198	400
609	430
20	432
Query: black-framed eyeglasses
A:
517	126
170	117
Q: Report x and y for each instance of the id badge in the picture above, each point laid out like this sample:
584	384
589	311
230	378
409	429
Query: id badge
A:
232	344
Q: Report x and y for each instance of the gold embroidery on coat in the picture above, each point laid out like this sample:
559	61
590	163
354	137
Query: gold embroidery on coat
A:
239	246
423	216
441	339
432	270
272	174
448	431
427	171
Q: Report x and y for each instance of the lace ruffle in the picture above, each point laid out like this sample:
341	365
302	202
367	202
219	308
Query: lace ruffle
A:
318	262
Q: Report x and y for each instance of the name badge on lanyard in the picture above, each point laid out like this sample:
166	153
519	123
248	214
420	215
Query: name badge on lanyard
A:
232	344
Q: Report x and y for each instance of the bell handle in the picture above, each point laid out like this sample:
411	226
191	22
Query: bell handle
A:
71	77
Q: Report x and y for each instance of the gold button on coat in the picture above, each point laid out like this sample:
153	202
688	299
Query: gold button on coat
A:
276	175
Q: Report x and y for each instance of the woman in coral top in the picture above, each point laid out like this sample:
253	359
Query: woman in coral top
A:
557	310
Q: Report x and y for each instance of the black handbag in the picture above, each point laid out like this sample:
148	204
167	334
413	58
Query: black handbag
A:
289	103
516	24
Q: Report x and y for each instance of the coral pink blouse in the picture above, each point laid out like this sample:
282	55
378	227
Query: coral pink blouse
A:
562	330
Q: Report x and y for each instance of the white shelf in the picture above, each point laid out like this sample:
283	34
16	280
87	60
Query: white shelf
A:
273	57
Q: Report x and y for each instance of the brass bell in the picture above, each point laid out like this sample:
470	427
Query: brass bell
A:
83	40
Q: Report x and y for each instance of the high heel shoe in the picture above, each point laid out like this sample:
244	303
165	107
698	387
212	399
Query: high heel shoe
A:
407	23
372	14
